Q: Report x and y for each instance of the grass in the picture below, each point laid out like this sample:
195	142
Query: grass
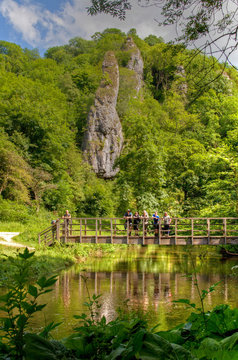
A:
50	260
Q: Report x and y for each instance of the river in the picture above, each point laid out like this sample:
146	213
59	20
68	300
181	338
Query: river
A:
148	279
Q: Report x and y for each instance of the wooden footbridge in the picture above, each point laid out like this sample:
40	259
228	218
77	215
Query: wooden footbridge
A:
183	231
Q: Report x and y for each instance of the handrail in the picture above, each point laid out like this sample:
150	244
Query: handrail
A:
78	229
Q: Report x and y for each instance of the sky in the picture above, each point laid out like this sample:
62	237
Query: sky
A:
45	23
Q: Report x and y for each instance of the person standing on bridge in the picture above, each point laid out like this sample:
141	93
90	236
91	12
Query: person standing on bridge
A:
67	217
136	222
155	217
128	216
145	218
54	228
167	222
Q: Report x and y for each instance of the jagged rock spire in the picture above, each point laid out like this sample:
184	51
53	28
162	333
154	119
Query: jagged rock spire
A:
136	62
103	138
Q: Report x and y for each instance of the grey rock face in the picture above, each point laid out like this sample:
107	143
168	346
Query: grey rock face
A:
136	62
182	84
103	139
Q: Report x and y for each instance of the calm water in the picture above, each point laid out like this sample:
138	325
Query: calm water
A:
149	277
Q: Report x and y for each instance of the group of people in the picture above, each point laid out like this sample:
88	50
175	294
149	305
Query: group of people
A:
134	220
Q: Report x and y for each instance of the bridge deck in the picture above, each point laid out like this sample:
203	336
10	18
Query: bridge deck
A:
195	231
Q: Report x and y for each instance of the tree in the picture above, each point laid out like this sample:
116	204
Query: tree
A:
141	162
216	21
15	176
153	40
40	183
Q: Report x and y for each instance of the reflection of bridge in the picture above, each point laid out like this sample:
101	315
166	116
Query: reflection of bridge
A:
141	289
183	231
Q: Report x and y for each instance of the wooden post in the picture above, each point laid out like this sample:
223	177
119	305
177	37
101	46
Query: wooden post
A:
80	240
175	230
208	231
143	225
39	239
58	230
159	234
66	230
128	231
224	229
71	226
192	230
111	232
100	227
115	227
96	231
85	227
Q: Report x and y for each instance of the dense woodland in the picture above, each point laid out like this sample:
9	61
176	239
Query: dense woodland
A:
180	134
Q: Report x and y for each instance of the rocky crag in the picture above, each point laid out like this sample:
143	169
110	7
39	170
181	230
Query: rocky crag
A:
135	63
182	86
103	139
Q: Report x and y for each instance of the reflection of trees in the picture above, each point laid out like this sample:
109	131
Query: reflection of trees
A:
152	292
66	290
145	290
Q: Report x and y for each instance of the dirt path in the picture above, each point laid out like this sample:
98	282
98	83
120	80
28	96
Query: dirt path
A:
7	240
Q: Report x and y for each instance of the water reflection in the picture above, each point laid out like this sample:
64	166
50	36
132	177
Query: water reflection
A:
152	292
149	279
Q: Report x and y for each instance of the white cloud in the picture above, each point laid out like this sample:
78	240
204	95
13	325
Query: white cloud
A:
23	18
42	28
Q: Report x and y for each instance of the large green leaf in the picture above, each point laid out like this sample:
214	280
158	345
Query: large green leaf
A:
207	348
117	353
157	348
38	348
81	344
173	336
230	342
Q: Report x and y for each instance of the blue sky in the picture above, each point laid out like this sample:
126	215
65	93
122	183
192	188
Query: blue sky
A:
45	23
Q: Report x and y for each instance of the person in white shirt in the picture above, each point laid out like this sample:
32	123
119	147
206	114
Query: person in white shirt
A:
167	221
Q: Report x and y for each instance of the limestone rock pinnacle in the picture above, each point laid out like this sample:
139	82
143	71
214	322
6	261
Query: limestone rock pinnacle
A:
136	62
103	138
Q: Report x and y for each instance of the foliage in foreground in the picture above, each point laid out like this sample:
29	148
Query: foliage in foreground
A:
209	335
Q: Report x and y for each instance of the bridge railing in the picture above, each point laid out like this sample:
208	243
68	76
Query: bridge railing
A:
110	229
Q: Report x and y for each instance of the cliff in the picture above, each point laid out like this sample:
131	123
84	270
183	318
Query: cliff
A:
135	63
103	139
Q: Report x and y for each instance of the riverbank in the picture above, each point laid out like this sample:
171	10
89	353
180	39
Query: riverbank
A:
49	261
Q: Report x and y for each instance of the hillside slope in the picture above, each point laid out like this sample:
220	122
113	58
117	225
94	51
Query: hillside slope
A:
178	126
